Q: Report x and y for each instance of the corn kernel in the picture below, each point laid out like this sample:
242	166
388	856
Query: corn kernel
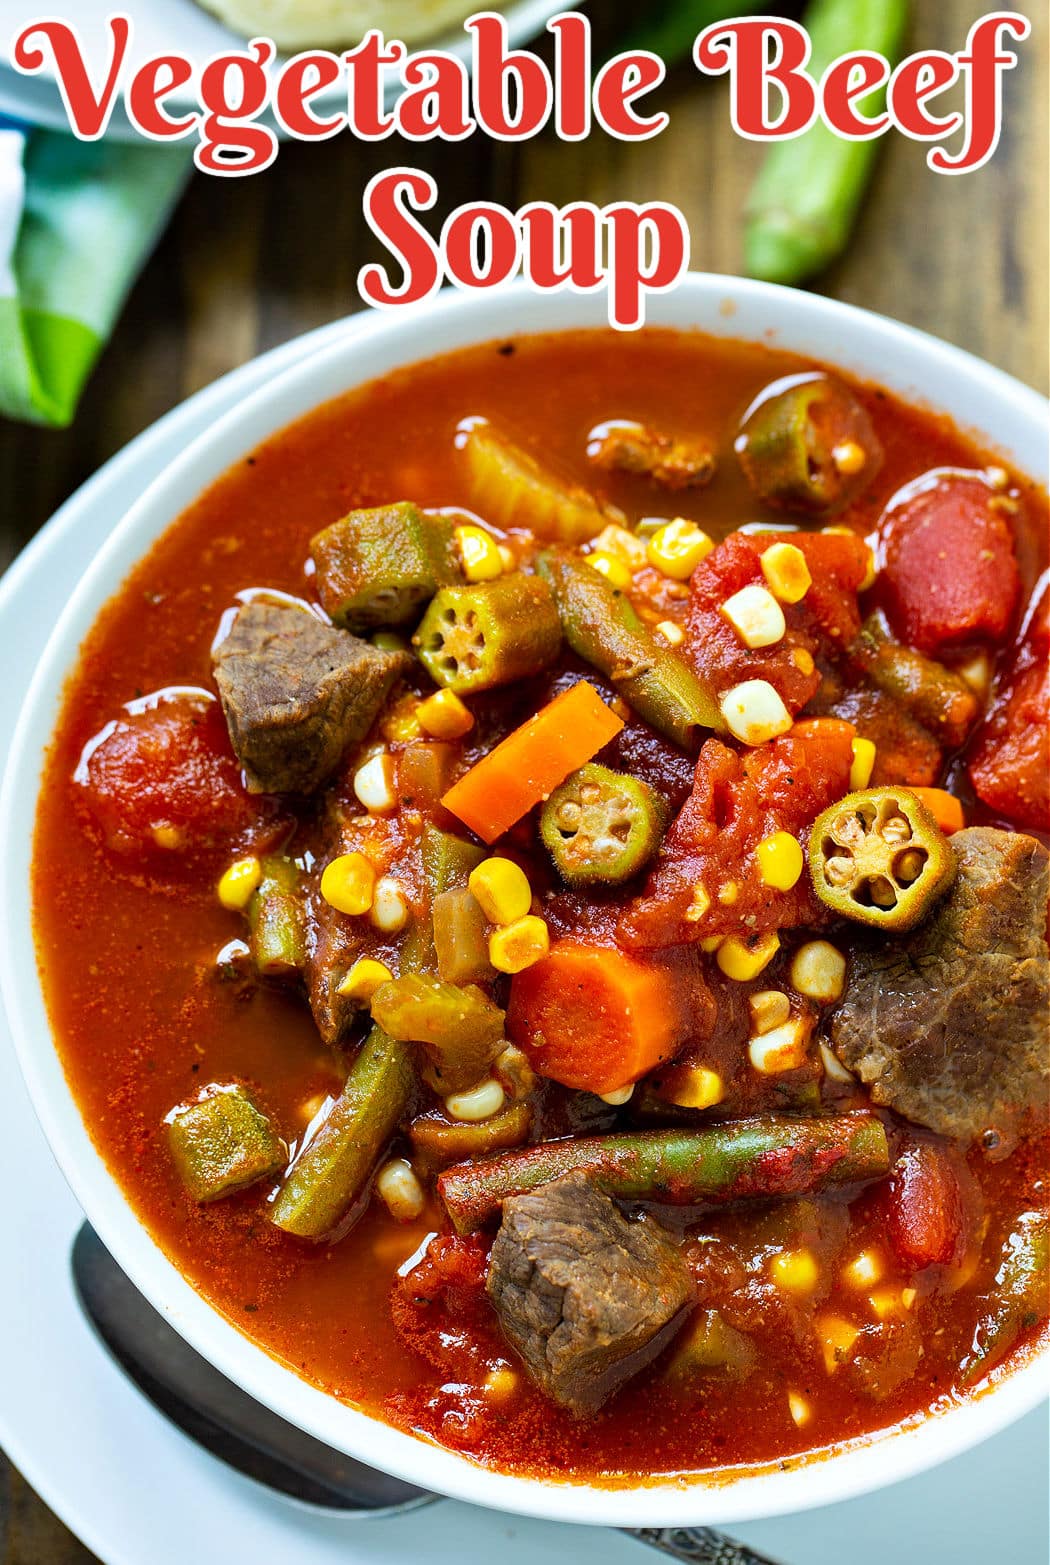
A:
712	943
619	1096
863	764
170	838
671	632
977	672
782	1048
444	716
833	1066
697	1088
780	861
374	784
390	911
615	570
363	979
864	1271
908	1297
754	712
818	970
400	1190
803	661
500	1383
509	558
849	457
517	946
786	572
348	883
478	553
799	1408
837	1337
756	616
742	961
481	1102
238	885
625	545
677	548
795	1271
698	906
502	889
729	893
769	1008
889	1302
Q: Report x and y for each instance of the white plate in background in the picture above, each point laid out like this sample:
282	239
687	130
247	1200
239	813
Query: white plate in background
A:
181	26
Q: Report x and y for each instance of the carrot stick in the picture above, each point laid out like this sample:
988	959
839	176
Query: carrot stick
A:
529	764
594	1018
943	806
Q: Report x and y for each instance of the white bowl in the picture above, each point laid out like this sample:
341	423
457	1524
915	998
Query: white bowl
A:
1006	416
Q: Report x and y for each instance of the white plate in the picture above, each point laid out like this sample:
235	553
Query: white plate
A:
136	1490
179	26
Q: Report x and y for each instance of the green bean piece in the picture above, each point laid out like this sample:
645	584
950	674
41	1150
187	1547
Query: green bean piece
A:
380	566
475	637
601	626
1018	1301
461	938
710	1343
757	1158
323	1188
808	193
276	920
330	1174
460	1028
222	1143
933	695
439	1141
602	827
799	445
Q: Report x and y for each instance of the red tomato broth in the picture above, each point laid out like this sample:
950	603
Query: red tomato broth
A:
132	1048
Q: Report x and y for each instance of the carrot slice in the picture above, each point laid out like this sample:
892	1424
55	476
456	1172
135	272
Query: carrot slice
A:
594	1018
528	765
943	806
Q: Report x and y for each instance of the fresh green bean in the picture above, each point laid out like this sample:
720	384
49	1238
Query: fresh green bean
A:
601	626
760	1158
805	201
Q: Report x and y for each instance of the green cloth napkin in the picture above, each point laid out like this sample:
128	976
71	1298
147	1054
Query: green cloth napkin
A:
77	221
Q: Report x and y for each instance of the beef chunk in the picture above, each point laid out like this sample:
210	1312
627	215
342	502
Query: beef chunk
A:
671	462
586	1297
297	693
948	1025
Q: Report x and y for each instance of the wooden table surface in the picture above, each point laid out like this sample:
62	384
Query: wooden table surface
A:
248	265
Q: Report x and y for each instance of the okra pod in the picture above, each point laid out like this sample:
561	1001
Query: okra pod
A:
491	633
933	695
331	1172
276	920
222	1143
602	827
380	566
601	626
804	203
753	1158
808	445
1018	1300
439	1141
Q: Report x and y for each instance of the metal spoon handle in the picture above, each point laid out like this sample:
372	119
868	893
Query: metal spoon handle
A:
697	1545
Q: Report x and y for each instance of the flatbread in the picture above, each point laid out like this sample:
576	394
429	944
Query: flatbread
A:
335	24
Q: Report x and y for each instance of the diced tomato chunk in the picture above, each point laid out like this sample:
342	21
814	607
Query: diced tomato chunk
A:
440	1308
823	623
949	572
925	1216
162	781
1010	762
736	803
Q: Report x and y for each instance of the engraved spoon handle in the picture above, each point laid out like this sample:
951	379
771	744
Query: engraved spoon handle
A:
697	1545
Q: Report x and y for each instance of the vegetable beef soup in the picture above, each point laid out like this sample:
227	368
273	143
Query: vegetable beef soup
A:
541	892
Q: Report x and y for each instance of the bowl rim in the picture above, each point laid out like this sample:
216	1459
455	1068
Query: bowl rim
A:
1012	421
